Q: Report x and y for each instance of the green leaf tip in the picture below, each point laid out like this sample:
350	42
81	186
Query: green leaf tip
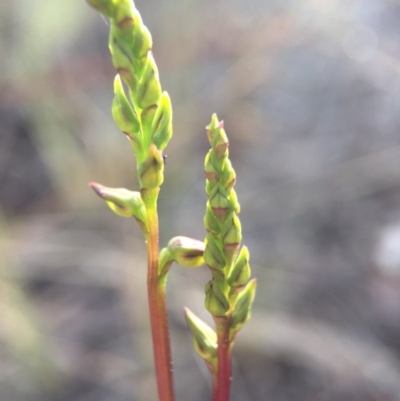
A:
204	337
161	127
123	113
240	272
123	202
242	309
149	91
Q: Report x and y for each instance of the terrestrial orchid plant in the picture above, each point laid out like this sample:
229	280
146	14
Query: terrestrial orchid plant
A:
144	115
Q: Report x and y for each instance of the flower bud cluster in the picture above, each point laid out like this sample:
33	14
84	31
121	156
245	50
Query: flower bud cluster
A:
229	266
145	115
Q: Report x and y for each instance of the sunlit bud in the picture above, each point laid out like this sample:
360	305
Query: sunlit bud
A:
204	337
240	272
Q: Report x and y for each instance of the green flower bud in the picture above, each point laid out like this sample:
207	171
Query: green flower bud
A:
161	127
129	77
126	16
233	203
242	309
210	222
123	202
147	117
217	137
143	42
211	170
232	230
240	272
210	187
219	202
123	113
149	90
216	302
121	56
186	251
228	176
150	172
231	236
213	256
204	338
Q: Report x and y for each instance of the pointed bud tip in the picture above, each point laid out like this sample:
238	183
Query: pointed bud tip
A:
97	188
117	83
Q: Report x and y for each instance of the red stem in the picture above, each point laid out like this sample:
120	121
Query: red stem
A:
157	304
222	382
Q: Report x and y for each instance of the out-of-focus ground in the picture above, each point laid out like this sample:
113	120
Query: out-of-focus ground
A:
310	94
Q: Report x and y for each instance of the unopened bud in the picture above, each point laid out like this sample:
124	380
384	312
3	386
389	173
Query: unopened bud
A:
123	202
127	18
149	90
228	176
210	168
219	202
240	272
204	337
216	302
213	256
210	222
217	137
186	251
242	309
231	235
161	127
150	172
121	56
123	113
143	42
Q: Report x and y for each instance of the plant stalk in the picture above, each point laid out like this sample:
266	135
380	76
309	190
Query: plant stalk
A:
223	379
157	304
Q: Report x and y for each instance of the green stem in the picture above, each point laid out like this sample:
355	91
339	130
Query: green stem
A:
223	378
157	304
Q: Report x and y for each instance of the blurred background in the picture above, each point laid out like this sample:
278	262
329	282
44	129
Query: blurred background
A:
310	94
